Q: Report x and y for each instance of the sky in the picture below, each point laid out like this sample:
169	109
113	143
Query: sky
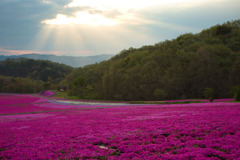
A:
94	27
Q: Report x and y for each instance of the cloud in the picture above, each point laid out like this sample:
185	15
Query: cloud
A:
20	21
80	18
7	52
91	12
125	5
125	12
56	2
4	51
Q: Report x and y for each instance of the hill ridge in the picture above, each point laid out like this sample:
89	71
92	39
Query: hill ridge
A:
74	61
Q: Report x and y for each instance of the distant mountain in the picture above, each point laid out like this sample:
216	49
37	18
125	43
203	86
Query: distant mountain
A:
79	61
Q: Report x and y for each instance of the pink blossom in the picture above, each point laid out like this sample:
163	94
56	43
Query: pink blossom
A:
34	127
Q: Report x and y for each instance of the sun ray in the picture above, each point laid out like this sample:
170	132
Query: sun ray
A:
42	38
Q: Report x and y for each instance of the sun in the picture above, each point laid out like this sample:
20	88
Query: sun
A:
59	20
81	18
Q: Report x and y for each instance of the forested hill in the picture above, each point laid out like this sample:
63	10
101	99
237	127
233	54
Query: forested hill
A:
181	68
35	69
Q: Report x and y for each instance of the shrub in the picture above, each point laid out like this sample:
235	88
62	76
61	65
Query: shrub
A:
236	93
209	93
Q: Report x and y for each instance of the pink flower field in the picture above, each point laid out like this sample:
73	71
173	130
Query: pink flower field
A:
37	127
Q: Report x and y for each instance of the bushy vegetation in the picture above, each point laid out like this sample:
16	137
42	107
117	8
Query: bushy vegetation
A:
236	92
20	85
181	68
209	93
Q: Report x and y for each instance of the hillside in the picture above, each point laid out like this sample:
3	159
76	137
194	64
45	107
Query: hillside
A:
23	75
180	68
35	69
79	61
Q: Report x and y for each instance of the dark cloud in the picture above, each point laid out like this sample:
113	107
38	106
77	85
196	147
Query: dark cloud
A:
21	20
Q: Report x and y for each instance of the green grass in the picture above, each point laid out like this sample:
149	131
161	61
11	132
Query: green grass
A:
64	95
155	102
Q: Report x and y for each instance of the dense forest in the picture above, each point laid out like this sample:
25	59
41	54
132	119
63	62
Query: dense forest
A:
184	67
22	75
20	85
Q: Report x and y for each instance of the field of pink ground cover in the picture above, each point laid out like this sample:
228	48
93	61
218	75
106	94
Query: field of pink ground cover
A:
34	127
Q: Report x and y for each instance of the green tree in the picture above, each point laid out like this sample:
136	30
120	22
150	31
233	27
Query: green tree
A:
223	29
160	94
209	93
236	92
78	86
